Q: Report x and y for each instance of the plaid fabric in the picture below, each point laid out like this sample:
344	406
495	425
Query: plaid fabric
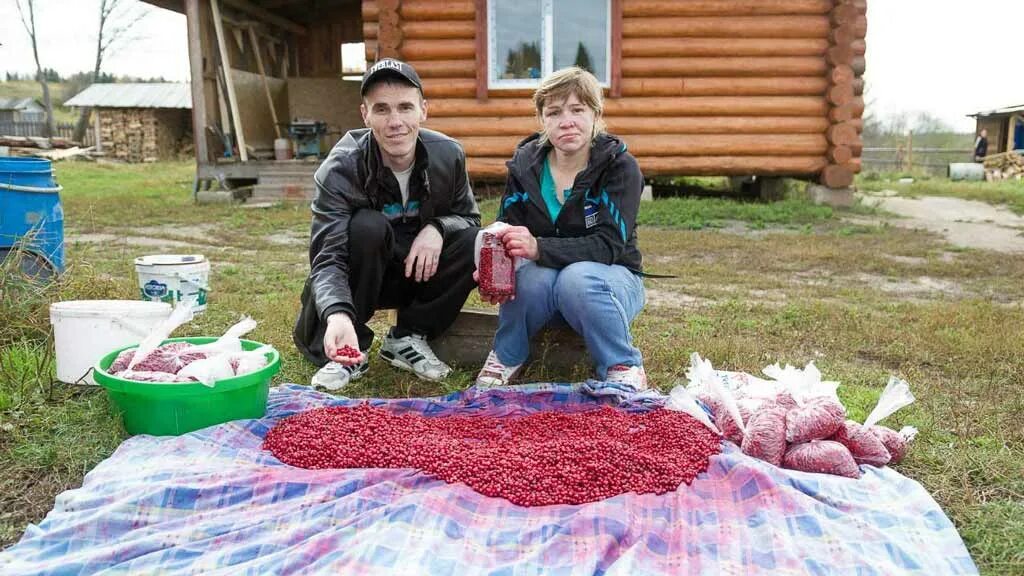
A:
212	502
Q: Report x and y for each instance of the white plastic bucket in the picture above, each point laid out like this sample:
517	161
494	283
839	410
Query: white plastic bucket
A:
86	330
282	149
172	278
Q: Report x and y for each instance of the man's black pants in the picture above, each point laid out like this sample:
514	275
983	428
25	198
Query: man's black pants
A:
377	277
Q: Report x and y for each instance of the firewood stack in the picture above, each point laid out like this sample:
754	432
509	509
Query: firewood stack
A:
845	58
1005	166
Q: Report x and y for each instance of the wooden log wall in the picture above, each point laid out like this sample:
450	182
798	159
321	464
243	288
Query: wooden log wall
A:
708	87
848	20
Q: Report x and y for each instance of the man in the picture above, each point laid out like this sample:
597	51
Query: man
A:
981	146
394	222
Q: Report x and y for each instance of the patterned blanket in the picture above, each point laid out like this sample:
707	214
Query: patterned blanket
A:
212	502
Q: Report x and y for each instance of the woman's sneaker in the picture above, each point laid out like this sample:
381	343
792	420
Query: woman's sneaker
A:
412	353
494	373
334	376
632	376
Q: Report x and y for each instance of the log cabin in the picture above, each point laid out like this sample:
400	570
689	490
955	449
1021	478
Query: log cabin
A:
769	88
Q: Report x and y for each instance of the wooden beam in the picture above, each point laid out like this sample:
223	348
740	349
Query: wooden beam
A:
263	76
98	144
615	82
482	56
267	16
195	58
271	4
226	68
389	30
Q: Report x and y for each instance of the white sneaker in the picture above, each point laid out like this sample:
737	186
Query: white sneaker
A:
494	373
334	376
633	376
412	353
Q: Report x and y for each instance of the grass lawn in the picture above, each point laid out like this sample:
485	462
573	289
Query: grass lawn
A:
755	284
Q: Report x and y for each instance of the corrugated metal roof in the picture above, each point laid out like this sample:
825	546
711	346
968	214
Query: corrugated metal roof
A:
19	104
1007	110
154	95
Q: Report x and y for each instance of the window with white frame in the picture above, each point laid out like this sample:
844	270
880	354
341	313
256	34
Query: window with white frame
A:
529	39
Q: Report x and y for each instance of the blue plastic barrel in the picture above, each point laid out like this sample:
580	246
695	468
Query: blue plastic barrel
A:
31	215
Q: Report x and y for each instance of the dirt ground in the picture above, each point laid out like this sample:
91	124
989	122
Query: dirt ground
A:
965	223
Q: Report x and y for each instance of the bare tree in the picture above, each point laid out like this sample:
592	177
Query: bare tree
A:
110	33
30	27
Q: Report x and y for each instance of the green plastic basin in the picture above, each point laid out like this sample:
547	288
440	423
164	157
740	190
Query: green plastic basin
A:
170	409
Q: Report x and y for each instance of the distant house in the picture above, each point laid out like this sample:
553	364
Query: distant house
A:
139	122
1005	128
21	110
710	87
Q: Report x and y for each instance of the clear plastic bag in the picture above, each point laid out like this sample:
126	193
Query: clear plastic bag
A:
181	314
149	376
209	370
895	396
765	436
680	400
251	361
865	447
822	457
897	443
169	358
817	419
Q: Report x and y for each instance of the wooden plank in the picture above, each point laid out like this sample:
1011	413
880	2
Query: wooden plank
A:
649	145
749	86
725	86
428	69
615	81
430	10
226	70
730	67
645	8
733	165
263	76
657	106
728	26
96	126
442	49
493	168
718	47
193	23
481	45
266	16
522	126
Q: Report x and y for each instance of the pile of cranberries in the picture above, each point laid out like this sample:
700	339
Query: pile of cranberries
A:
347	351
536	460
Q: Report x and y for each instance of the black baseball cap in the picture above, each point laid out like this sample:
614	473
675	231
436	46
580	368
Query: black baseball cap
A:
389	67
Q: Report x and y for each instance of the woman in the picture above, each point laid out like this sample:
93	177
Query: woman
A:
571	201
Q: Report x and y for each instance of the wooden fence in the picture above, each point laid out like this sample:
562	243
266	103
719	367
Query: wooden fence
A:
933	161
38	130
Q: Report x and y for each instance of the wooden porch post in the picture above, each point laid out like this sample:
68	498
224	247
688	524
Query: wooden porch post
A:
218	26
195	59
96	128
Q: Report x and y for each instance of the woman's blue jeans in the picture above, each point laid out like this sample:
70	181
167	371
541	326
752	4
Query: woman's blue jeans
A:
597	300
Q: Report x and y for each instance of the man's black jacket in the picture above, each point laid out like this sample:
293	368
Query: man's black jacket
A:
353	178
597	222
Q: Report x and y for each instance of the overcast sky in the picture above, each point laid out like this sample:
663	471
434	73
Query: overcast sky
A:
946	57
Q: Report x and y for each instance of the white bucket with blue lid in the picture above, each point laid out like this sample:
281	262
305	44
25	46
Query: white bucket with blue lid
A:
174	278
